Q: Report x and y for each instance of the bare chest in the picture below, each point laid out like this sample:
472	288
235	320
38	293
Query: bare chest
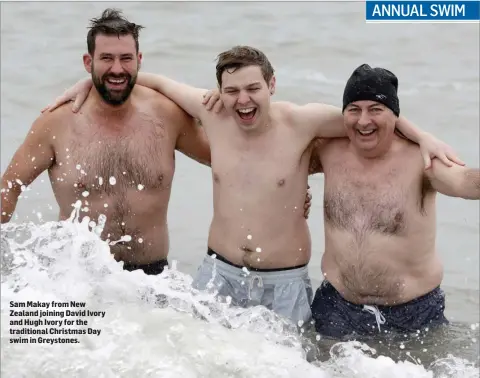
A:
270	165
375	199
138	156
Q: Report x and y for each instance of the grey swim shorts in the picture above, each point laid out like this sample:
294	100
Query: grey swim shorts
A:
287	292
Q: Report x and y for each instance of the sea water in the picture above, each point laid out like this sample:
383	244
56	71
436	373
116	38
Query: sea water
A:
126	324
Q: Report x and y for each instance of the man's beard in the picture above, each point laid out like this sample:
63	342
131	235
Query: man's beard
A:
114	97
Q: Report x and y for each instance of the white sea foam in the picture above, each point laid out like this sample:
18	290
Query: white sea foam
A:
157	326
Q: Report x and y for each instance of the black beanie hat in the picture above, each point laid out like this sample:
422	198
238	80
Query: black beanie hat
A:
372	84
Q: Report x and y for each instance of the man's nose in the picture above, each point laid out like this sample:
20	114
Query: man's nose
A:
243	97
364	119
116	67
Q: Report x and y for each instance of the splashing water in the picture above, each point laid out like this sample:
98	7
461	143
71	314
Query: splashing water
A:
154	326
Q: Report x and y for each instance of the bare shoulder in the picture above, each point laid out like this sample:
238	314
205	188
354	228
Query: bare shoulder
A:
407	154
161	107
406	150
155	100
285	109
54	122
287	114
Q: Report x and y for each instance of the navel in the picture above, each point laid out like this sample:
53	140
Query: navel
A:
281	182
398	217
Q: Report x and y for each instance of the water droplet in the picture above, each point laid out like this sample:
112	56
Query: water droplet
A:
140	240
249	237
85	193
317	337
112	180
33	158
140	187
245	270
402	346
258	249
105	205
22	188
100	181
78	166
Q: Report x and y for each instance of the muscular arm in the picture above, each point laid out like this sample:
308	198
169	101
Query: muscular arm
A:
455	181
34	156
187	97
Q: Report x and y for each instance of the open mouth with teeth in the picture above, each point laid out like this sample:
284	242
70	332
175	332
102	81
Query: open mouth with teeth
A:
366	133
247	114
116	82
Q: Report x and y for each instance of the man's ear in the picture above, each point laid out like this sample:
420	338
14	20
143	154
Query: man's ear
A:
271	85
87	62
140	59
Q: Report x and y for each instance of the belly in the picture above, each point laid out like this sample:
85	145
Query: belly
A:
136	222
382	270
265	236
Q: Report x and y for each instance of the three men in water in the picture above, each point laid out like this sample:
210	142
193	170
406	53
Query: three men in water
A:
260	159
259	242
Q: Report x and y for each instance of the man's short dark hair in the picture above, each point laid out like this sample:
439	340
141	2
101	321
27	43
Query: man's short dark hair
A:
243	56
112	22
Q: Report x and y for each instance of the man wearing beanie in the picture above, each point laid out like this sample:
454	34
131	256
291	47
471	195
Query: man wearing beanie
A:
381	268
261	150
